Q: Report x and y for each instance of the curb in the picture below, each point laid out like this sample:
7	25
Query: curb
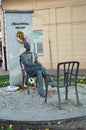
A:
78	123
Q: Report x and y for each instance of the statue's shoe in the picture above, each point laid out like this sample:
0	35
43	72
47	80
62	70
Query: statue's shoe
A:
41	91
42	94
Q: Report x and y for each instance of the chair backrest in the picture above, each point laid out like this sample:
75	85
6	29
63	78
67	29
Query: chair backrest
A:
68	71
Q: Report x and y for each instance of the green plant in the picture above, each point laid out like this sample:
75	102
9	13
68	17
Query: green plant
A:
10	127
81	80
4	80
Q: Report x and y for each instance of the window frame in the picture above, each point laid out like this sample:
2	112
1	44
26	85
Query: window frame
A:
36	41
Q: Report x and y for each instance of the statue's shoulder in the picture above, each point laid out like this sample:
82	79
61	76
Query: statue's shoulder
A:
22	55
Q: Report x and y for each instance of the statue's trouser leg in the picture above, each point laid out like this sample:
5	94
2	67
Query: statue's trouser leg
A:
40	83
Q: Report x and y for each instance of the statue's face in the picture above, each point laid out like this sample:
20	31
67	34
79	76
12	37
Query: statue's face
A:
27	46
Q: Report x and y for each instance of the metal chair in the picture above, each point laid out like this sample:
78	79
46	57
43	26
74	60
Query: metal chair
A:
67	73
25	76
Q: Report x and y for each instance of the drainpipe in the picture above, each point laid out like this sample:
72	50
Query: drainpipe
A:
50	49
50	54
3	35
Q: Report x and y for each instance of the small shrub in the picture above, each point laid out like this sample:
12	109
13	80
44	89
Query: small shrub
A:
81	80
4	80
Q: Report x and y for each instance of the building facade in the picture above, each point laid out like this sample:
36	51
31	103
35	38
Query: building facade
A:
59	29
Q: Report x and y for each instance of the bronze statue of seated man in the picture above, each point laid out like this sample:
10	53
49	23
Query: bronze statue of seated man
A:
33	68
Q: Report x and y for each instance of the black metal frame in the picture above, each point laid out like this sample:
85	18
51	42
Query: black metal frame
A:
24	75
69	70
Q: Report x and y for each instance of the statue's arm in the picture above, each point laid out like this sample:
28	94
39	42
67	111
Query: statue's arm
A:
27	62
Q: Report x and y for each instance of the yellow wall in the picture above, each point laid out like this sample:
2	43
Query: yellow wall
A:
63	23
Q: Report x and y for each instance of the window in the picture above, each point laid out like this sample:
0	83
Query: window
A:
38	42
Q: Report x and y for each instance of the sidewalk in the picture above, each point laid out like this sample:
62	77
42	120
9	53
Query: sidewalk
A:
19	106
81	72
3	72
32	107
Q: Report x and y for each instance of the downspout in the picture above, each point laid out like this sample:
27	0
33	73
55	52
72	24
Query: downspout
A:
50	50
3	37
50	53
56	37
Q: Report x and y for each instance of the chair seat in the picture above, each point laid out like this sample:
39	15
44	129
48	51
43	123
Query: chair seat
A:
61	84
54	84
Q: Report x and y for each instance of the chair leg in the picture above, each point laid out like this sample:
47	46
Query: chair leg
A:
46	95
28	90
46	88
59	99
23	82
66	96
77	97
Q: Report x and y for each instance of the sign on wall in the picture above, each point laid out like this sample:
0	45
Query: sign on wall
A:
17	22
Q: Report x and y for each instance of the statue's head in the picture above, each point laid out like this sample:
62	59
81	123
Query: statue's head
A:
27	46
